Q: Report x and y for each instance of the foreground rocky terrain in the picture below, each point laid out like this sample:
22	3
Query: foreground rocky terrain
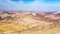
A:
29	23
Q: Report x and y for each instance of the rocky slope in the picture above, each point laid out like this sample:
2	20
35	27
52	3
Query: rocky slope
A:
30	23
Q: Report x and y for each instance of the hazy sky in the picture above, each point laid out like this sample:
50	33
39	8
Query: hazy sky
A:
29	5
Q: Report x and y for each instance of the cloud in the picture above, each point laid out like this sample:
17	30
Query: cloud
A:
14	6
36	5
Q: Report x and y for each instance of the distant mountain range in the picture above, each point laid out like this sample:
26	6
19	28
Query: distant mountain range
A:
47	16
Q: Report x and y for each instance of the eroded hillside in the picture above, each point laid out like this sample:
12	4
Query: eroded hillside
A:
29	23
